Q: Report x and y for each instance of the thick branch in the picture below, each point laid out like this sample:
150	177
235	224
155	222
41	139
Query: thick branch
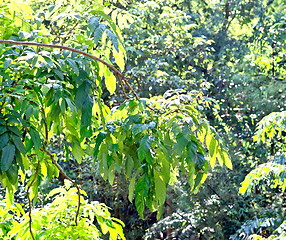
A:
117	73
60	47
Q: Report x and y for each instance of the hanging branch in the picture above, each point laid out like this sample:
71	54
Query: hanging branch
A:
68	178
58	166
29	200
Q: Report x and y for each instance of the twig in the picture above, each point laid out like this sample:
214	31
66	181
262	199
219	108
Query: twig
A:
121	85
129	86
68	178
14	85
138	83
46	125
69	32
228	24
30	205
2	104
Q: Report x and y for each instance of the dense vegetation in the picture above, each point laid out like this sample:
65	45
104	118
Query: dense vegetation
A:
142	119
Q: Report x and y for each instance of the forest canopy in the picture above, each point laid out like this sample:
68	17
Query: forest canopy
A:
142	119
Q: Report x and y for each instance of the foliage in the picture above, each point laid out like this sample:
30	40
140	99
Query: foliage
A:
158	156
271	126
61	106
47	93
180	223
165	52
245	70
255	226
266	177
272	173
53	221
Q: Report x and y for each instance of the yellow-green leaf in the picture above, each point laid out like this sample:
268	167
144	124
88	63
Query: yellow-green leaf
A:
110	81
131	189
119	59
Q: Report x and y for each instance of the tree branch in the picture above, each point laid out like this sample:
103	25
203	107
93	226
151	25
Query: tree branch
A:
73	50
46	126
121	85
69	33
68	178
228	24
29	200
117	73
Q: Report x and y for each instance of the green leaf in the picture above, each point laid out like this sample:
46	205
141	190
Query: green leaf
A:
191	152
139	204
111	174
227	160
62	105
138	128
160	188
119	59
93	23
18	143
107	18
12	174
77	151
212	151
82	93
36	138
7	63
110	81
71	104
201	159
144	149
180	145
103	168
131	189
59	74
98	33
191	174
99	139
20	161
198	180
7	157
73	65
4	139
146	142
2	130
87	111
15	130
112	37
129	164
